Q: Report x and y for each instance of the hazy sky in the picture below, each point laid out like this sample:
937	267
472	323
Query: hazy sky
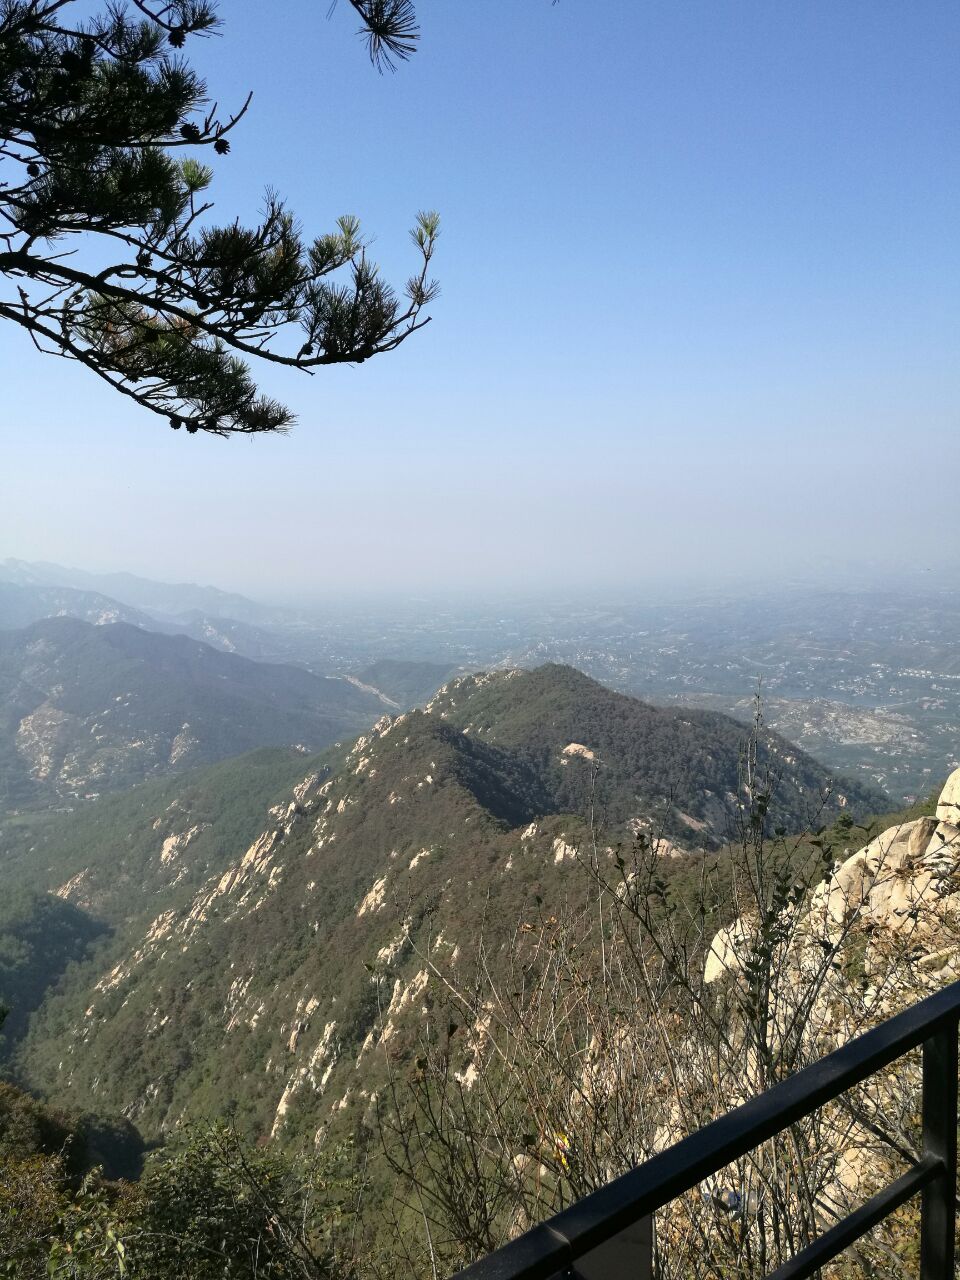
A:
699	314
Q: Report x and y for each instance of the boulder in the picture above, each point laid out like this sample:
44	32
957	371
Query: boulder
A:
920	834
899	881
853	887
729	950
945	835
904	884
948	809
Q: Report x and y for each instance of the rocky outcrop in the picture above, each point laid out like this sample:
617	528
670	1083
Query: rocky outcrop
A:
881	931
905	880
948	810
43	737
902	890
728	950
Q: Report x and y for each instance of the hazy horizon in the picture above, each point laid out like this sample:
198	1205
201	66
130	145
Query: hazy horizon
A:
666	590
698	324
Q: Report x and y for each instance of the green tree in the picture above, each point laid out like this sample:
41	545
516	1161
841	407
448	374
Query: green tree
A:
213	1207
51	1228
209	1207
101	123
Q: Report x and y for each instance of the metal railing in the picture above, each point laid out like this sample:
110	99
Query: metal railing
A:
608	1235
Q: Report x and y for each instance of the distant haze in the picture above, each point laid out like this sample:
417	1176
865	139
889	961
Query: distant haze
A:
698	328
317	596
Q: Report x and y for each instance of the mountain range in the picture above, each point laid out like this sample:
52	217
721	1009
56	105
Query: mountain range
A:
160	598
247	935
86	708
238	888
31	592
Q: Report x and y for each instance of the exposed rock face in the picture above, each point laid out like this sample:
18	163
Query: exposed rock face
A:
43	737
880	932
174	845
562	851
728	950
183	743
904	883
901	881
948	810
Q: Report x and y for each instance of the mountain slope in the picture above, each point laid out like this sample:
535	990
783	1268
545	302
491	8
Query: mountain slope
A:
22	605
91	708
272	979
133	851
216	997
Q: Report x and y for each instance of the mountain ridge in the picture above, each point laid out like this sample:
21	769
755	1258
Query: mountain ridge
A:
264	980
148	594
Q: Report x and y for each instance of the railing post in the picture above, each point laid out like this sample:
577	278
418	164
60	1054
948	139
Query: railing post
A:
938	1208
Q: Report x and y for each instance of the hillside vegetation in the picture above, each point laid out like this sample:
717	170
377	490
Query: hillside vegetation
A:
240	931
414	959
678	769
86	709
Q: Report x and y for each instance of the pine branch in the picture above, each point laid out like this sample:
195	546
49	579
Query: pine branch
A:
98	124
391	30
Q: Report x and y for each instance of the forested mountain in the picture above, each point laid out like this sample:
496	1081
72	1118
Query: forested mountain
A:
677	766
252	963
50	916
86	709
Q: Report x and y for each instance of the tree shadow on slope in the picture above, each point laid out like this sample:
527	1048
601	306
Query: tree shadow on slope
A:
41	935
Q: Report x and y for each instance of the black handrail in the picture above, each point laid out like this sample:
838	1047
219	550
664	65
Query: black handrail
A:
557	1245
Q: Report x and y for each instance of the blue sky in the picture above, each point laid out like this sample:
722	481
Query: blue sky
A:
699	317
